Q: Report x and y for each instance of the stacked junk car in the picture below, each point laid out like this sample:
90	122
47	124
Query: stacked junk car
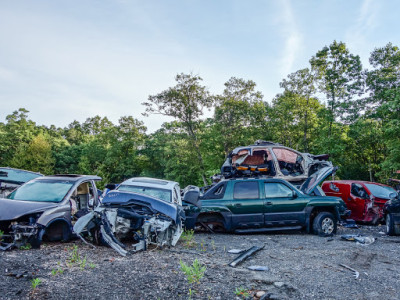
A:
261	188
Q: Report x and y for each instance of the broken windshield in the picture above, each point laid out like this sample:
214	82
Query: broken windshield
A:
161	194
42	191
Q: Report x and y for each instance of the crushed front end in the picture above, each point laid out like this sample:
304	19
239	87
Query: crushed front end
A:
21	232
129	222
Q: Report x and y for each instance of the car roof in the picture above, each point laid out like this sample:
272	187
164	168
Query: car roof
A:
70	177
355	181
150	182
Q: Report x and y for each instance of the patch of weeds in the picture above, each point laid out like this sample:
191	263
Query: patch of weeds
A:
35	283
213	245
193	272
77	260
54	272
27	246
191	293
1	235
74	257
82	263
188	238
242	292
203	246
92	265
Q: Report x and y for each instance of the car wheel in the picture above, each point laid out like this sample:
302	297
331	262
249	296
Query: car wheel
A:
324	224
210	223
389	224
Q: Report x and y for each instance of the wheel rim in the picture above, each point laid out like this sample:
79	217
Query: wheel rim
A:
327	225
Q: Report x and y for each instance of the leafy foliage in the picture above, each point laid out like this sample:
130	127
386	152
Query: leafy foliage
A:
330	106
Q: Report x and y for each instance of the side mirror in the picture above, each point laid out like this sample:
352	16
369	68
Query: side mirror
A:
191	195
294	195
392	195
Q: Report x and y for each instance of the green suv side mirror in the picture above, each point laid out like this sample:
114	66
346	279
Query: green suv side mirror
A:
294	195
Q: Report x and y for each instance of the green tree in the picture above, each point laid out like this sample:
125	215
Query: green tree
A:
35	156
184	102
287	119
384	102
239	113
302	83
339	76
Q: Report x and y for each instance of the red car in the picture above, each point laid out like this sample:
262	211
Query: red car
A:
365	199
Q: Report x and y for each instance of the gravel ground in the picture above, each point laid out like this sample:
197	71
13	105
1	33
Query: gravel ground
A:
301	266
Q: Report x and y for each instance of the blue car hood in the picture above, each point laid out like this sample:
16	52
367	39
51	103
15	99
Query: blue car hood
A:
114	198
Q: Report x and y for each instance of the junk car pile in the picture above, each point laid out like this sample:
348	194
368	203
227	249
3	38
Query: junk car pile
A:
262	187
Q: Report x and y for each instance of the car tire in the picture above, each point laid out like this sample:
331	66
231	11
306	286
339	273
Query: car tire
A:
389	225
325	224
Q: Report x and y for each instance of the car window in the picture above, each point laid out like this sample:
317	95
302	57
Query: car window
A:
358	191
289	161
42	191
246	190
161	194
216	192
380	191
277	190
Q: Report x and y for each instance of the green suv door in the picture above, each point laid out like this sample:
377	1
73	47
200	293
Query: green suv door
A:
284	206
246	205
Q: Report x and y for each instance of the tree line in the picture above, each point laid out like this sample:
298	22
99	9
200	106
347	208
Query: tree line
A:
333	105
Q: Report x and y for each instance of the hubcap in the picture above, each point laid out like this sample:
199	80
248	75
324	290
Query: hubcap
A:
327	225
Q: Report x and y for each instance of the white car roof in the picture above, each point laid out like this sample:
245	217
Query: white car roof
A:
150	182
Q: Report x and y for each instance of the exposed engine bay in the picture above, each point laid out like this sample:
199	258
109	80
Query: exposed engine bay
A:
130	222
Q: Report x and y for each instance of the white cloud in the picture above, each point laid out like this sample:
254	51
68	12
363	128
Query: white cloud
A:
292	37
357	36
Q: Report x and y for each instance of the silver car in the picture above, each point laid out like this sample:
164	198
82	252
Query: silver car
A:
46	208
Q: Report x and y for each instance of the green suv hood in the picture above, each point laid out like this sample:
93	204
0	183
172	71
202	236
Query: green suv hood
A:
315	179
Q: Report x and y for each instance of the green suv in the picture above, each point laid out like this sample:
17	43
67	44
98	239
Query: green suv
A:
265	204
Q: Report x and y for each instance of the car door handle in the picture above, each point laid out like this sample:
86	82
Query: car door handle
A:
268	203
238	205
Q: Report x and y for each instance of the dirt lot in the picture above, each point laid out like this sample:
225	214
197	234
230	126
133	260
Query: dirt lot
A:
301	266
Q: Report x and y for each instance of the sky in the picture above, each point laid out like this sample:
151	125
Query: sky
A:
70	60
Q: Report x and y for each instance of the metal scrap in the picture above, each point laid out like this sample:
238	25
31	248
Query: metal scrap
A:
363	240
242	257
356	274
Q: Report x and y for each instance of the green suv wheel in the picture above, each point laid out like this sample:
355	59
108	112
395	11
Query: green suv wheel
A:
324	224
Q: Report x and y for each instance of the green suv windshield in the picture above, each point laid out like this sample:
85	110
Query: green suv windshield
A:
42	191
161	194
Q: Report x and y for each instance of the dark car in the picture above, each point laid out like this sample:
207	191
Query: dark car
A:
272	160
45	208
392	214
267	204
365	199
11	178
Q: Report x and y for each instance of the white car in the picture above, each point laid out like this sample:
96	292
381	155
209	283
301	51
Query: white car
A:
166	190
144	211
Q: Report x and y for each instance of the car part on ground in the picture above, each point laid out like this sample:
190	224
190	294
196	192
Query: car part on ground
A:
243	205
11	178
46	208
356	274
272	160
245	255
135	218
358	238
365	199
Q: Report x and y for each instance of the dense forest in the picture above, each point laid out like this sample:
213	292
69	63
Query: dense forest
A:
333	105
